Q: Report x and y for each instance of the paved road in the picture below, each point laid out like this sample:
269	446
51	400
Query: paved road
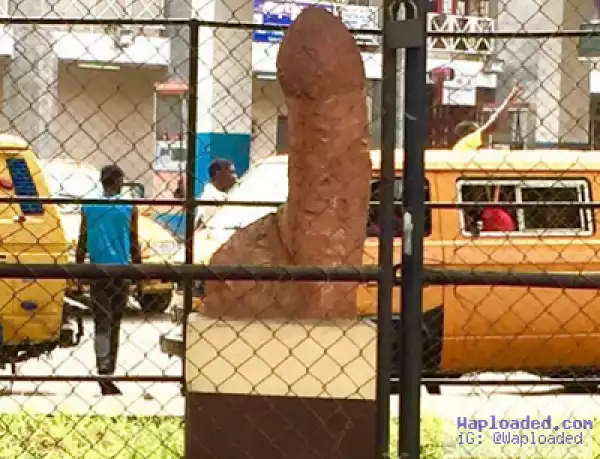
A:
510	401
139	355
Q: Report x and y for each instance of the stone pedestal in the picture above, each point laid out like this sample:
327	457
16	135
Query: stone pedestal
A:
272	370
280	389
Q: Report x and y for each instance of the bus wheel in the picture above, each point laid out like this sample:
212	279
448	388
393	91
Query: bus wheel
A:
581	388
433	389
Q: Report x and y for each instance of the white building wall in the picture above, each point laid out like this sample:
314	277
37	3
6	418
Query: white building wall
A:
557	81
595	81
267	105
107	116
224	124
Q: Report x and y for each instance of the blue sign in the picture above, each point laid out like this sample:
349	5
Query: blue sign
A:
281	14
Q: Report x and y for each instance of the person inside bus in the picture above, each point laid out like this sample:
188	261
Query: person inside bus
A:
471	135
497	218
373	228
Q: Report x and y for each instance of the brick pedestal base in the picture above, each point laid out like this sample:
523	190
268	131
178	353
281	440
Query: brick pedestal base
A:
280	390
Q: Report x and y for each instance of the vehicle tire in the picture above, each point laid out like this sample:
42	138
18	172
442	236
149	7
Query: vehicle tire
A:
576	387
580	388
433	389
155	303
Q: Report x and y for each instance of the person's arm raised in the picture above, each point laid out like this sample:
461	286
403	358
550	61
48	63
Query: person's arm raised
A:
514	93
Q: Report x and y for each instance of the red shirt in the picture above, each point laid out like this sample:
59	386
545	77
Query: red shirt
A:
497	219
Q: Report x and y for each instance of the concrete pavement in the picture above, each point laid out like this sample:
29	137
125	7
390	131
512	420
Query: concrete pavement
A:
140	355
505	401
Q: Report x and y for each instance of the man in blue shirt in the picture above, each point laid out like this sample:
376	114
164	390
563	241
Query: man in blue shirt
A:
109	234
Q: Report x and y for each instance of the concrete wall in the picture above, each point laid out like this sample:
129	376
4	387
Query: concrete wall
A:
4	63
142	9
224	92
169	110
267	104
557	82
106	116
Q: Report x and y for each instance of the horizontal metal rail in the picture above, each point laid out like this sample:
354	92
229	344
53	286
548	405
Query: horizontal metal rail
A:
515	34
208	203
133	201
395	381
502	382
512	205
509	278
158	22
360	273
67	378
279	273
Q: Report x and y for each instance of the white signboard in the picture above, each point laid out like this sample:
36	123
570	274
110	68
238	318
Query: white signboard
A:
283	14
461	90
459	96
357	17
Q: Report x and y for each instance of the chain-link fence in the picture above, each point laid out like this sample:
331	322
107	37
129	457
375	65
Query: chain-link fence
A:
129	297
79	116
244	257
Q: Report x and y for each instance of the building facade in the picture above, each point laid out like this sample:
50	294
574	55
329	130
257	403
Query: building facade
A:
557	79
242	110
105	94
84	92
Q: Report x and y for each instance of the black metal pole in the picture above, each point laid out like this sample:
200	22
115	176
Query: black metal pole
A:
190	194
386	238
415	129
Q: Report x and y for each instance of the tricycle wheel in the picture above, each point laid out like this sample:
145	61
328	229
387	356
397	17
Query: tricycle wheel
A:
155	303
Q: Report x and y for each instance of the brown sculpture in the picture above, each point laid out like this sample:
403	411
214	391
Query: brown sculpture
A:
323	222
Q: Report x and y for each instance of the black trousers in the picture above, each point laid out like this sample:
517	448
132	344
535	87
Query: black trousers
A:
109	300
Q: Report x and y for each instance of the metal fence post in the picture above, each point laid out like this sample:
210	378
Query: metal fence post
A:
386	237
415	129
410	34
190	195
